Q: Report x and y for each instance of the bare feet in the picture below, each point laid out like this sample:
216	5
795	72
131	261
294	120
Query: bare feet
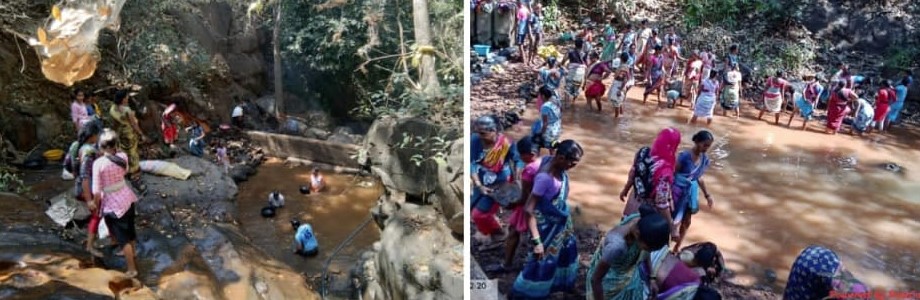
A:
131	273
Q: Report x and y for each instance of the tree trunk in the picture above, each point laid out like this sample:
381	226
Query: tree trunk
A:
428	77
276	49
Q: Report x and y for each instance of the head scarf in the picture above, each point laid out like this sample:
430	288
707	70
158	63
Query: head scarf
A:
664	153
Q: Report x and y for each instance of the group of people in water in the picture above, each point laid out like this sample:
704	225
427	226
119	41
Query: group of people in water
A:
641	257
658	63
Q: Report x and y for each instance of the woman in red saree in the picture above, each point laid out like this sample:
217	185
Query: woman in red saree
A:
169	126
838	106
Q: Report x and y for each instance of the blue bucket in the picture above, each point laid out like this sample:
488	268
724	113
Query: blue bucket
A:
482	50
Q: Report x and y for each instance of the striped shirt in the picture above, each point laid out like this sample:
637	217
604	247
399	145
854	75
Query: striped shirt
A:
109	180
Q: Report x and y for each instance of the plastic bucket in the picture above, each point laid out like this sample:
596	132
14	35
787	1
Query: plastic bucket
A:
482	50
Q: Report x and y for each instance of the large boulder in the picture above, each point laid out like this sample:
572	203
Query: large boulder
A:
209	189
420	214
416	258
391	143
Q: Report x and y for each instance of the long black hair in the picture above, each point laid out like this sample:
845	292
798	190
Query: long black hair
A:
89	129
654	230
569	149
708	257
702	136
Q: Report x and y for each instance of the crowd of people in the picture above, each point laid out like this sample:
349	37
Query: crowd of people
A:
104	163
707	83
642	257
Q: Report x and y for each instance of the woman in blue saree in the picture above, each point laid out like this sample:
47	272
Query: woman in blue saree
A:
493	159
553	265
691	164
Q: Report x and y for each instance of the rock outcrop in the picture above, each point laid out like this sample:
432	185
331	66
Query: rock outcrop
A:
420	253
188	248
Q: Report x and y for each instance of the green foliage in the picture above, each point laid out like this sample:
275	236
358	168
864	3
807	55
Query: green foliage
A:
738	13
363	47
11	182
903	56
551	17
432	148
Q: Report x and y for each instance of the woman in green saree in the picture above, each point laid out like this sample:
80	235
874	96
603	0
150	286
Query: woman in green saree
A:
614	271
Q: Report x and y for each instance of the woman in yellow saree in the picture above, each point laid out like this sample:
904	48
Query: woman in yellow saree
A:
129	133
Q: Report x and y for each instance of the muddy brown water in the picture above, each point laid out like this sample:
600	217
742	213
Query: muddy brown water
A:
776	189
334	214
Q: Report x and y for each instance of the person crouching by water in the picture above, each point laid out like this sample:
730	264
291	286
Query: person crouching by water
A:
614	272
275	199
818	273
684	276
196	139
116	198
317	182
304	240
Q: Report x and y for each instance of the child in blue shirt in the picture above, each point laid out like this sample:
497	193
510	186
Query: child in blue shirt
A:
304	240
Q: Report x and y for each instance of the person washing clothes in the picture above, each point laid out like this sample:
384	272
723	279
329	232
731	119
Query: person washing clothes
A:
317	182
305	242
275	199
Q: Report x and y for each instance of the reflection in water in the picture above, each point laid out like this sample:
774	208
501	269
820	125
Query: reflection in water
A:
333	213
776	190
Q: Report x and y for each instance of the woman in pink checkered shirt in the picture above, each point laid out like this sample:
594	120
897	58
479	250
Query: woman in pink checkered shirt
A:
117	198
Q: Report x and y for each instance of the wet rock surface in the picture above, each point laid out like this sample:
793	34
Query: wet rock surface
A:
188	247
